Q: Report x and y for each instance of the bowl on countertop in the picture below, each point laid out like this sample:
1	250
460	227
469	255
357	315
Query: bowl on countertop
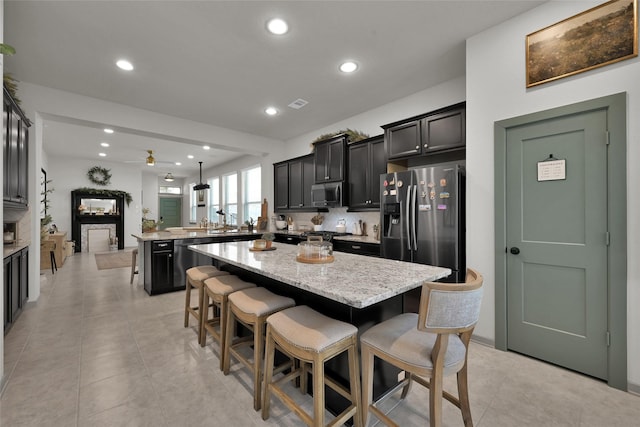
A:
281	225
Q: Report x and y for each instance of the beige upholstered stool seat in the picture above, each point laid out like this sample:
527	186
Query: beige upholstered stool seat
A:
195	279
411	345
311	337
218	289
251	307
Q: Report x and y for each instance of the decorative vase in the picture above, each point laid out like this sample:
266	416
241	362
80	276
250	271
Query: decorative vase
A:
268	245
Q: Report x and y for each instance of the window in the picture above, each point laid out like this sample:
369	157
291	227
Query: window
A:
193	204
165	189
230	197
214	200
252	193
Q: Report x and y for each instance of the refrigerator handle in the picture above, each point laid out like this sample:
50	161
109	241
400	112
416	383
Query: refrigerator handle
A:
415	217
408	217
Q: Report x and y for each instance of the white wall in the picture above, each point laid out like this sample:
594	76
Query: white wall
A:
66	179
369	122
496	91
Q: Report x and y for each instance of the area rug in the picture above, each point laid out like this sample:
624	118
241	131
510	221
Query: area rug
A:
117	259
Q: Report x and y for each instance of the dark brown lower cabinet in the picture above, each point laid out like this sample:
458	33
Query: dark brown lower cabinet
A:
16	286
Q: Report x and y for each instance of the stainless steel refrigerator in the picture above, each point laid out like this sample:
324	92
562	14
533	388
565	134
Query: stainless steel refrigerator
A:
422	217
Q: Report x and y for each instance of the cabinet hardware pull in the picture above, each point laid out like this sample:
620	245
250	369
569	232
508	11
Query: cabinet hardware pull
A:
417	147
355	247
426	145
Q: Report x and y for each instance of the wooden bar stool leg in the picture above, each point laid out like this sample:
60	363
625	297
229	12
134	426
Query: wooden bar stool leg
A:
187	303
52	255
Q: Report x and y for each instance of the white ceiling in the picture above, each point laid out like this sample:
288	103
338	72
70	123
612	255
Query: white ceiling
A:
213	62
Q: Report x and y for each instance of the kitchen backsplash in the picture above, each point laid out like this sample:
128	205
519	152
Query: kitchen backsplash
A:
23	218
332	217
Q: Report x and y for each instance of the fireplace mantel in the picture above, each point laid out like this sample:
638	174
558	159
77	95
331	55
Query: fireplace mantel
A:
84	213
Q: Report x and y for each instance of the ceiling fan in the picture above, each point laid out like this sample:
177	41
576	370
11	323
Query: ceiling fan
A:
150	160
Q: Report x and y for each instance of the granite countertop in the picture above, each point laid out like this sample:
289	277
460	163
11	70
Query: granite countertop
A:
356	280
167	235
11	249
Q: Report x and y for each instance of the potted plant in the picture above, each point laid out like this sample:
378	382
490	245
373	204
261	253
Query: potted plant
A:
268	238
317	222
249	223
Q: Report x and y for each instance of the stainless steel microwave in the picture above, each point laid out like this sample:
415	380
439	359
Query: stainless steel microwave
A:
326	195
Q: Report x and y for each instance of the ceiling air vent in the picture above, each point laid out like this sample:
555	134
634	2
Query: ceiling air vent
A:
298	103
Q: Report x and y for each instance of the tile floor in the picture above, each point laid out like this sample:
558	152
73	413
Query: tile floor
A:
96	351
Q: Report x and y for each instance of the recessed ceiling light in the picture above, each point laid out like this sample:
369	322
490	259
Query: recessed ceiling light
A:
107	130
271	111
178	164
206	147
123	64
190	156
277	26
348	67
104	144
102	154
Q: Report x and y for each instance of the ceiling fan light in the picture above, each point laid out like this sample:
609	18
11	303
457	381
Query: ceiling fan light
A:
168	177
150	160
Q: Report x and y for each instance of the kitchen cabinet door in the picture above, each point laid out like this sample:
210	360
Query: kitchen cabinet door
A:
7	293
6	169
15	149
329	159
24	277
16	307
366	161
281	183
162	271
404	140
358	175
378	163
444	131
23	164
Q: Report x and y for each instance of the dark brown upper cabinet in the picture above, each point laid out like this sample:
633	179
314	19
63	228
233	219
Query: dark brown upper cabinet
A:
329	158
15	145
366	161
292	180
435	132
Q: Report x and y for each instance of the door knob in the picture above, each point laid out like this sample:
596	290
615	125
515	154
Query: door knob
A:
514	250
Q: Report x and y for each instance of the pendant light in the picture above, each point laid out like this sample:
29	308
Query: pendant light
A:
201	185
150	160
168	177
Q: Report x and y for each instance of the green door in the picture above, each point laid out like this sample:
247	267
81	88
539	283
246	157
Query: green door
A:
556	234
170	212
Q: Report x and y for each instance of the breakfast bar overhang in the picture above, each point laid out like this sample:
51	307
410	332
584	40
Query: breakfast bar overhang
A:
353	288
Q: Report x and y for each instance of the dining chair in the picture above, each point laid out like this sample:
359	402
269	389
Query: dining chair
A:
428	346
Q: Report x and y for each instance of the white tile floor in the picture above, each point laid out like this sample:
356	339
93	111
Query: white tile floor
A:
96	351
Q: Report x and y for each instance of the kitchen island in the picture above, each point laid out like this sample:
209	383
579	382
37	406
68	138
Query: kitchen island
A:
163	257
357	289
354	280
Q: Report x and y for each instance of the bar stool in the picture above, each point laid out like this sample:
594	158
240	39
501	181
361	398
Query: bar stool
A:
311	337
251	307
134	255
195	279
217	289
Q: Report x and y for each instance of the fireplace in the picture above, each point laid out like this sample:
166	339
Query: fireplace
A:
96	211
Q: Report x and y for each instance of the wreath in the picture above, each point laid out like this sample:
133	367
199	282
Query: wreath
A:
99	175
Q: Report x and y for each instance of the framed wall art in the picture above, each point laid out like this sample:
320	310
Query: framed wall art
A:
599	36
